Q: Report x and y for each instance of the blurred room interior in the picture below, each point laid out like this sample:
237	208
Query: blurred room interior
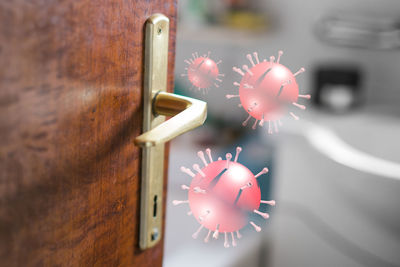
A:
335	173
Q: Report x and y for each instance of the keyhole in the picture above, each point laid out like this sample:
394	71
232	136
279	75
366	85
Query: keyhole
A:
155	206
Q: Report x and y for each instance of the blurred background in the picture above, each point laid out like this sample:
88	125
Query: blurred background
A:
335	174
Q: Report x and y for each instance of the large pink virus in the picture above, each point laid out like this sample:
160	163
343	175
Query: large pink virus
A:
221	196
267	91
202	72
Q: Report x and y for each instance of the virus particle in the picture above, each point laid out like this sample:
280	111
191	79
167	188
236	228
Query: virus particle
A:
202	72
221	196
266	91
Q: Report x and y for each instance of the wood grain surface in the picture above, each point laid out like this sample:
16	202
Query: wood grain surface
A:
70	106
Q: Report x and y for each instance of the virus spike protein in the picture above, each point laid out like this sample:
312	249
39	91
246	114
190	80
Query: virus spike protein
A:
222	195
267	90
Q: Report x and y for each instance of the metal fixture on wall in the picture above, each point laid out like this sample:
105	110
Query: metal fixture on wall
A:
360	31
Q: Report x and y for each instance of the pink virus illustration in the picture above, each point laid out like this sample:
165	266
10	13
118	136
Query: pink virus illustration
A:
267	90
221	196
202	72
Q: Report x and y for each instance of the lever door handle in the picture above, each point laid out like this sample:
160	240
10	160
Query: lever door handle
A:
188	113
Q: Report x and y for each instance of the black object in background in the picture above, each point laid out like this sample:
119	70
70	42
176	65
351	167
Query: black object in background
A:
337	88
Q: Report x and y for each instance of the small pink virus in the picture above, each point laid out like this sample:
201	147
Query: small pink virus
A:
202	72
266	90
221	195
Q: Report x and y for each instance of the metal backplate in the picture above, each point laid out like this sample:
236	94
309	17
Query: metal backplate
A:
155	80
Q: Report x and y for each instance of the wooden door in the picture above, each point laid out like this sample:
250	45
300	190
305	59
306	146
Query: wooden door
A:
71	75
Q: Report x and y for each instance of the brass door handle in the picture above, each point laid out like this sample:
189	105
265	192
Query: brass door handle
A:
188	113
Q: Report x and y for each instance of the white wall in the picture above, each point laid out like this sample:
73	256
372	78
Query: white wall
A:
382	68
294	21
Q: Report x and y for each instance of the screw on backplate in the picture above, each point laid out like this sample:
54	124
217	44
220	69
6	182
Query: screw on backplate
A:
154	234
159	31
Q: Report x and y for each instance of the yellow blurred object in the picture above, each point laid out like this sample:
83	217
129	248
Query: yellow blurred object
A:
246	21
